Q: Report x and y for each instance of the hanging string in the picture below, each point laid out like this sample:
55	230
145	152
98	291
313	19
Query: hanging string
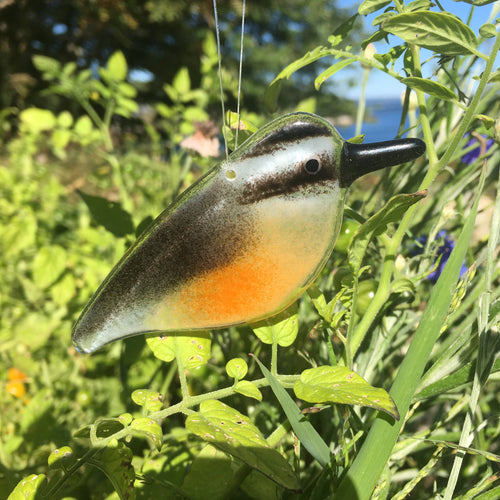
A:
240	75
217	32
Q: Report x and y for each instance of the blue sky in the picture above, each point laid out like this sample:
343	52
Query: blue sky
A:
382	86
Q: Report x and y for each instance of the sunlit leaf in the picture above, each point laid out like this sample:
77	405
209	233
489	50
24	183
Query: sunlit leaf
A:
233	433
61	458
237	368
148	428
281	329
437	31
369	6
117	66
338	384
192	349
150	400
429	87
376	225
246	388
306	433
28	488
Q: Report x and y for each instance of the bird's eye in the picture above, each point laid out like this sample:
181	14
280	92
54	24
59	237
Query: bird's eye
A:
312	166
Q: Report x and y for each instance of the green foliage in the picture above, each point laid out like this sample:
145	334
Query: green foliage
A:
373	335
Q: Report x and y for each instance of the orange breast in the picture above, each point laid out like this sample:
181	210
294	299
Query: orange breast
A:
282	258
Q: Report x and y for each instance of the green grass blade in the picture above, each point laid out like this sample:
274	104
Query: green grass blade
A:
306	433
361	478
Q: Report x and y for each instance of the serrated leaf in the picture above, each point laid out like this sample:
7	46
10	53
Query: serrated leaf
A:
214	466
48	265
376	225
437	31
237	368
281	329
307	434
116	463
109	214
233	433
369	6
28	488
338	384
429	87
193	349
117	66
150	400
246	388
148	428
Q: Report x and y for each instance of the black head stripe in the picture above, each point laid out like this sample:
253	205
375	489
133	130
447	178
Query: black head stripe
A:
283	136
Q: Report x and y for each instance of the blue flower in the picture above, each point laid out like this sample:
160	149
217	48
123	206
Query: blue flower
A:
483	144
443	253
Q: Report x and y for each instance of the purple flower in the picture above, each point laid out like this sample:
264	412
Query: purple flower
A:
443	253
483	144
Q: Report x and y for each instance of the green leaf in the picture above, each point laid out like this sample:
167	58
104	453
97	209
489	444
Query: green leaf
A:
150	400
116	463
437	31
237	368
19	234
281	329
215	467
370	461
306	433
275	86
322	77
36	120
51	67
48	265
34	329
488	30
148	428
246	388
117	66
61	458
83	126
233	433
109	214
369	6
64	290
338	384
456	379
376	225
182	82
65	119
429	87
192	349
28	488
477	2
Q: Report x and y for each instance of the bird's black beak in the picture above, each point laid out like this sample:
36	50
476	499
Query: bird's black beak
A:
360	159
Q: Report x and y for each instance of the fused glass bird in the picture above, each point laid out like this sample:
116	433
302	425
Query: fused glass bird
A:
244	241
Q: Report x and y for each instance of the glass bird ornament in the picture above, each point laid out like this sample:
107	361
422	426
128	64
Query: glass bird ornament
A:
244	241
